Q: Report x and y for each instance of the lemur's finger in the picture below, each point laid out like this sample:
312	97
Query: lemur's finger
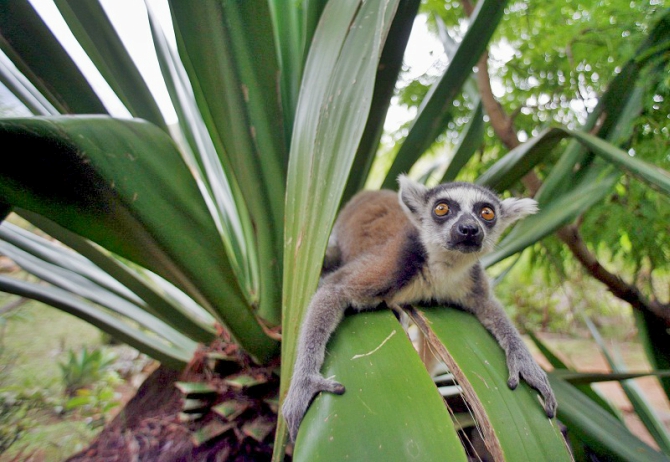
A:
513	368
331	386
513	382
550	405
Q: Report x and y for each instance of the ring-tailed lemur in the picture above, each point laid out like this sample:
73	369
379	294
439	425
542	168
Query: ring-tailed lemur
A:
415	247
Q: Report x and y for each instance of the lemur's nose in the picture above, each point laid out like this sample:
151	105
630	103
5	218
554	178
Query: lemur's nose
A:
468	230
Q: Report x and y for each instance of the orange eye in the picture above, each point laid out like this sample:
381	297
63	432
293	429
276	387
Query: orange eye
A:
441	209
487	214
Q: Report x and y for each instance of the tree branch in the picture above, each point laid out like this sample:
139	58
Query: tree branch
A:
503	126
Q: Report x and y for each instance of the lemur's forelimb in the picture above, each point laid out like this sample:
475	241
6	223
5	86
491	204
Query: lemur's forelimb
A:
520	362
324	313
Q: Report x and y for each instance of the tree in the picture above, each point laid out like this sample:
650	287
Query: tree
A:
281	108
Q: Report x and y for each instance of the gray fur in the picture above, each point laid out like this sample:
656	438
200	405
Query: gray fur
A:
401	252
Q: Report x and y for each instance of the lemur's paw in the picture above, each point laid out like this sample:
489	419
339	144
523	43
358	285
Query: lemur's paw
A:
521	364
300	395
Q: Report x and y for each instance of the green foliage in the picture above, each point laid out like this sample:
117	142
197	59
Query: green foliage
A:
13	421
84	368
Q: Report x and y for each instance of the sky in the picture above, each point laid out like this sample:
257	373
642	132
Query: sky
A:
424	52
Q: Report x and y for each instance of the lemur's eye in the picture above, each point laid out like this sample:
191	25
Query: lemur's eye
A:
441	209
487	214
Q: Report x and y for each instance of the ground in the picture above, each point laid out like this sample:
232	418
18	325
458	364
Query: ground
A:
40	337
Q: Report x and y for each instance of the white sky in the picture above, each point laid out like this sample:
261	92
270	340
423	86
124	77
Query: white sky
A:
130	19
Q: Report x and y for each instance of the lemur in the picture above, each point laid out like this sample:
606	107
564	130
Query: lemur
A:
418	246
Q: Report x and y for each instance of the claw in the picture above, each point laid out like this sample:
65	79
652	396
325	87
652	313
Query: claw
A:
522	365
300	394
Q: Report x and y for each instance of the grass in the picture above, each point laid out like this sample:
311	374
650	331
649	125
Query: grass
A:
36	338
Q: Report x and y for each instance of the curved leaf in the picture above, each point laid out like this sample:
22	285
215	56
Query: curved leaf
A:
337	88
228	50
226	205
650	174
603	434
96	34
26	40
78	285
561	370
175	356
123	185
399	413
655	339
24	91
513	422
470	140
80	274
552	216
519	161
643	409
390	64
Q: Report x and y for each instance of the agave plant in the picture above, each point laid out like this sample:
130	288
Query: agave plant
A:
173	236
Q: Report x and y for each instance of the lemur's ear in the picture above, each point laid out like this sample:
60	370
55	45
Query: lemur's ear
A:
412	197
515	209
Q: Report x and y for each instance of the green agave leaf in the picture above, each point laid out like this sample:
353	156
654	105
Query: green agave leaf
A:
103	179
470	140
519	161
225	200
655	339
576	378
163	299
640	404
228	50
288	27
391	409
390	64
82	287
554	360
552	216
337	88
24	91
294	24
562	371
327	133
26	40
603	434
650	174
81	273
175	356
513	422
51	254
431	119
96	34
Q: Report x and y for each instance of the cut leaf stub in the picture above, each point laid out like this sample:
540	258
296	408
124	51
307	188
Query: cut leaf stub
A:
236	406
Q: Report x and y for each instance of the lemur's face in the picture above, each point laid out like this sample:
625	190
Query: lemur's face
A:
460	217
